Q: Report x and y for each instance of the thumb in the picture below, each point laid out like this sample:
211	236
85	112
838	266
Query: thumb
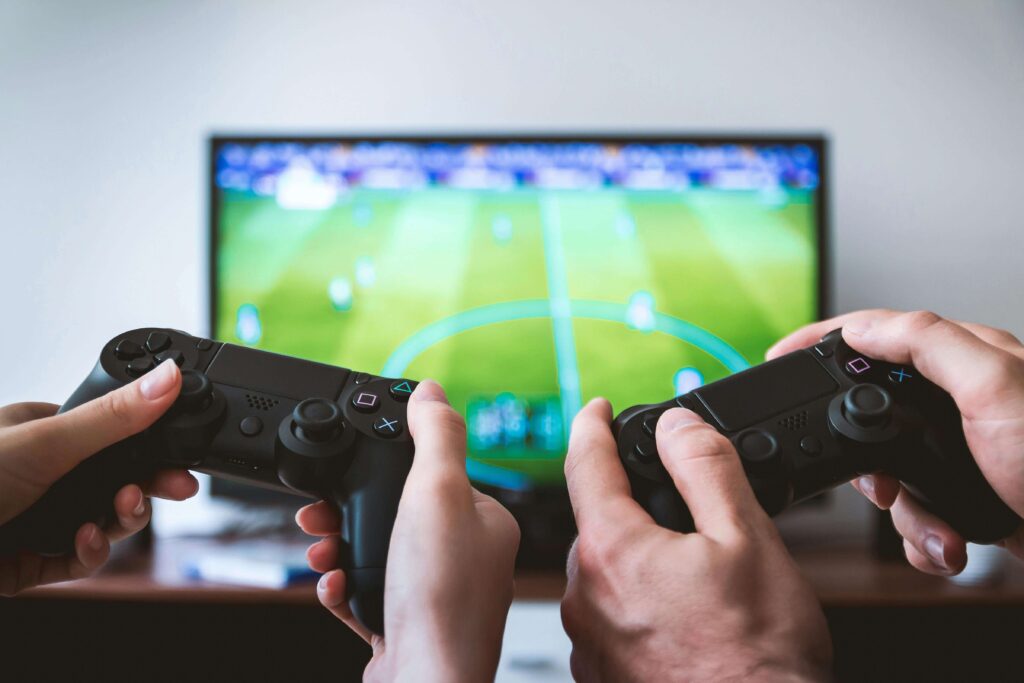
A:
44	450
439	433
708	474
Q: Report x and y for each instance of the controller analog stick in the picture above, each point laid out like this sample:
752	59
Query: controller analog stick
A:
867	406
316	420
196	391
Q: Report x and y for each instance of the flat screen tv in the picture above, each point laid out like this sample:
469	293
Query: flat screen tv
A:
525	273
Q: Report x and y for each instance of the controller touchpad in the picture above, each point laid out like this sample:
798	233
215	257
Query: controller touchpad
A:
745	399
274	374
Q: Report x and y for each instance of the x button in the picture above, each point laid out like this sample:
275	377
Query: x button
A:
899	375
387	427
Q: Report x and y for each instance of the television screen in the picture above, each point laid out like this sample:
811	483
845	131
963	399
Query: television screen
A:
526	275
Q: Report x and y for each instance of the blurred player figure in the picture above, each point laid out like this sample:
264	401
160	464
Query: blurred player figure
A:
686	380
339	290
640	311
625	226
366	273
248	327
501	228
362	214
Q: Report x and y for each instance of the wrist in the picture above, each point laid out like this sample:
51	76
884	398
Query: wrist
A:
438	652
432	666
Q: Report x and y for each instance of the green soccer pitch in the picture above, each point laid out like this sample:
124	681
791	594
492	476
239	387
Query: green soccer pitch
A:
530	292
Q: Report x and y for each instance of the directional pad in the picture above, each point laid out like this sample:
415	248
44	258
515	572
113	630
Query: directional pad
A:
126	349
157	342
140	366
171	354
645	451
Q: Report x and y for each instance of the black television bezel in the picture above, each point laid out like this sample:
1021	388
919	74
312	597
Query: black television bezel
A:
554	503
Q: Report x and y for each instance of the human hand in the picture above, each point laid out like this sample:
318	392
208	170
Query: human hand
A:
648	604
982	368
449	577
38	447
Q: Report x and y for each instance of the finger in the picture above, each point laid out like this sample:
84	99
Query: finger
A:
880	489
921	562
944	548
439	434
133	512
708	474
27	570
1001	339
46	449
598	486
172	485
319	519
17	413
497	521
812	334
330	590
1014	543
322	556
91	550
940	350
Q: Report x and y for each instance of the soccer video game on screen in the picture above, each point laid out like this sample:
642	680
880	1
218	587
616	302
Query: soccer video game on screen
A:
526	277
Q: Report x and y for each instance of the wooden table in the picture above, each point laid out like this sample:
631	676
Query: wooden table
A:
888	622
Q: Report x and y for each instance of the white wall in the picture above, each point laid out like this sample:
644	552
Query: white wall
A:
104	107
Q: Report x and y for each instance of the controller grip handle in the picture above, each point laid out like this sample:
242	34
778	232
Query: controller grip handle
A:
375	481
959	495
85	494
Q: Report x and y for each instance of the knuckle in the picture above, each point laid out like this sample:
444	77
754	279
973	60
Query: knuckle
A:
1006	336
700	441
440	486
446	420
116	406
1009	369
583	443
568	610
918	321
592	555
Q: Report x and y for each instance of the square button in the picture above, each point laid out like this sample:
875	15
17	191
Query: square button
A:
366	402
858	366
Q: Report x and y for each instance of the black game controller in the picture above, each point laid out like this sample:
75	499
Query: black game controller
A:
816	418
256	417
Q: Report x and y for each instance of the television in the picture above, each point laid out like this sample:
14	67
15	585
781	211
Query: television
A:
525	273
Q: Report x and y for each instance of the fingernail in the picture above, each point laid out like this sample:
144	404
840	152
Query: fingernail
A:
677	417
429	390
934	549
159	381
866	484
140	507
95	541
770	351
322	592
